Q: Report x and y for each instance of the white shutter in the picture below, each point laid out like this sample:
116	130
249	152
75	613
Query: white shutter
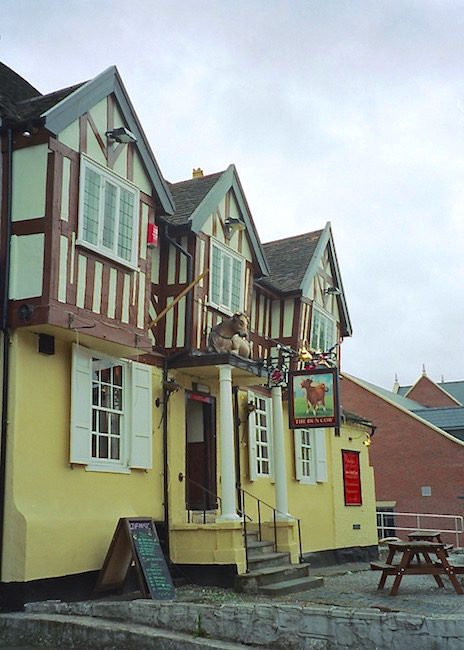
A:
298	459
141	416
321	459
252	440
81	404
270	435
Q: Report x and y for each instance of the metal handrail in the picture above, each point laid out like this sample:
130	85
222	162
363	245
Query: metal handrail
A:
458	522
275	511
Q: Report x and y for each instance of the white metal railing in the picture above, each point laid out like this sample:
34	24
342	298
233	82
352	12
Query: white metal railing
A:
389	523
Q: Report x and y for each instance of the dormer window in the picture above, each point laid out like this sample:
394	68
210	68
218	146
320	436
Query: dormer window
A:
323	330
108	213
226	279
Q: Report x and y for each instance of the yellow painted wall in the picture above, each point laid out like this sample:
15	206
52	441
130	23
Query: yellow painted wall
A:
326	523
60	520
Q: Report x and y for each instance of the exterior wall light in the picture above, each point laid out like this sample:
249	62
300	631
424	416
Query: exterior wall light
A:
233	225
121	134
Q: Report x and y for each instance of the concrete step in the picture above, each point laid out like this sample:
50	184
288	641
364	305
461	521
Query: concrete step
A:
252	581
291	586
66	631
257	549
267	560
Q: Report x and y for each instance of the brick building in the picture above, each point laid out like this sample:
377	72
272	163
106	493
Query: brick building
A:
418	465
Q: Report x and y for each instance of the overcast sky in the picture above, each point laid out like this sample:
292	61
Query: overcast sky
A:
344	111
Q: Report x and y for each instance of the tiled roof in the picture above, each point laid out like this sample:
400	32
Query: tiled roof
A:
445	418
189	194
36	106
404	402
289	259
454	388
20	101
13	88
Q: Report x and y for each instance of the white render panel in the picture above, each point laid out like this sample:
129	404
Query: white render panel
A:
81	277
112	293
97	287
70	136
94	150
169	325
27	257
140	177
181	322
155	265
288	317
202	248
183	262
125	298
99	114
200	322
172	264
73	255
275	319
64	213
63	269
141	303
143	231
261	314
29	182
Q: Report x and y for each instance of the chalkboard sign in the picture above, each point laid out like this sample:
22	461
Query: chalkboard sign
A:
135	541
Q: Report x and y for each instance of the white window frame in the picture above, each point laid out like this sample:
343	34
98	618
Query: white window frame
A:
317	340
227	306
136	423
120	184
256	445
312	440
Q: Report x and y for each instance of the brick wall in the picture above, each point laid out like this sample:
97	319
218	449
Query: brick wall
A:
408	455
426	392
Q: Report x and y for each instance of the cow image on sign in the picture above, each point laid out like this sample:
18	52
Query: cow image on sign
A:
136	541
313	398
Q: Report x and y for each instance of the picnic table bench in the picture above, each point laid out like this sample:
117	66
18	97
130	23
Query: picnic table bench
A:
415	559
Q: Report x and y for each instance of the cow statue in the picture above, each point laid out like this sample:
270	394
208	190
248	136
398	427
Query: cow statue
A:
315	395
231	335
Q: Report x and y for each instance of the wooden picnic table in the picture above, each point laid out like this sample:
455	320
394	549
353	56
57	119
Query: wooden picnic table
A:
425	536
415	559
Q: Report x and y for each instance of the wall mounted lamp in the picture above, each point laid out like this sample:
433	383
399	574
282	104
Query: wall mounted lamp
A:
232	225
332	291
121	134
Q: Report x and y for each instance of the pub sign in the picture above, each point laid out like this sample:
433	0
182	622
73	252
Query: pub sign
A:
313	398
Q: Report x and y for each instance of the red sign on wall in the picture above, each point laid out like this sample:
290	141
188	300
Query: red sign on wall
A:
351	478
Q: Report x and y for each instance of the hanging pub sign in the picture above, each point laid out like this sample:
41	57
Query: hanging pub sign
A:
313	398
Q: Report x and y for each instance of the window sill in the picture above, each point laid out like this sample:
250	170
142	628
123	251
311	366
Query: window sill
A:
107	255
114	469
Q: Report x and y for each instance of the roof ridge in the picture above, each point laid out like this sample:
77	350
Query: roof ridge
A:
197	178
303	234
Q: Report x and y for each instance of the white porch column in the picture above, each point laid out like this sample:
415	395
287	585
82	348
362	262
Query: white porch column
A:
279	454
226	423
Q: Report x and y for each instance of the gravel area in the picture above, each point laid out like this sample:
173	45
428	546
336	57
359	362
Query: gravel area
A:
354	587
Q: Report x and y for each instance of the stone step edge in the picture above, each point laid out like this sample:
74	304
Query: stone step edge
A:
80	631
273	569
281	587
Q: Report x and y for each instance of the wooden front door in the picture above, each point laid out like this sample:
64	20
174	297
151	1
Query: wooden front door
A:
200	452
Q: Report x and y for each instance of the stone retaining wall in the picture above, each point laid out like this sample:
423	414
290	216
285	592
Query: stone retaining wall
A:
286	627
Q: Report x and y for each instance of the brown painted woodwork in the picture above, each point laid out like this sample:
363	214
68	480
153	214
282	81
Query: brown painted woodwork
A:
201	454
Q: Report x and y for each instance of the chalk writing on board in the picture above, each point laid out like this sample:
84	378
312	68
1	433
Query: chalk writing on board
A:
151	558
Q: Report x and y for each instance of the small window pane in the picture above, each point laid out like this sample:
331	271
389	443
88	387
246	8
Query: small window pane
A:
103	447
115	448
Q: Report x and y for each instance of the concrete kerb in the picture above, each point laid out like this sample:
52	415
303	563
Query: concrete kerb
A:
269	626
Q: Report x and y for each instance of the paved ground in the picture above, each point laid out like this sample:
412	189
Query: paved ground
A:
355	586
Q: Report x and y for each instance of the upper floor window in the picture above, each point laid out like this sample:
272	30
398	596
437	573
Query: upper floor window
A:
323	330
226	279
108	213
